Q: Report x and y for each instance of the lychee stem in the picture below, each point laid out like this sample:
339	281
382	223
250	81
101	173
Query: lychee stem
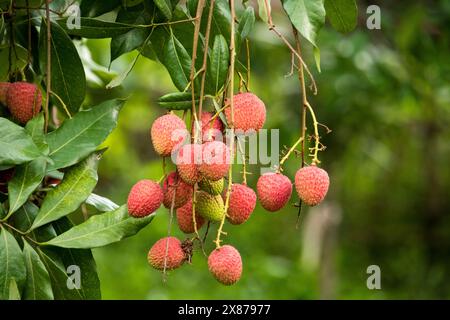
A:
286	156
316	148
231	124
169	231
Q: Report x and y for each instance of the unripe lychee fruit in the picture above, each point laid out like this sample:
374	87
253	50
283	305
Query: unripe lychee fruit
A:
242	203
249	112
24	101
173	184
274	190
212	187
185	220
211	130
188	161
3	91
225	264
215	160
311	184
167	132
145	197
175	255
209	207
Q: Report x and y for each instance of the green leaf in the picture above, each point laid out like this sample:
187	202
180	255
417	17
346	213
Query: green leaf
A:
101	230
262	10
101	203
37	286
343	14
26	179
308	16
77	185
35	129
96	29
177	62
59	278
67	76
246	22
177	101
14	293
79	136
219	62
12	266
134	38
95	8
23	220
16	146
165	7
83	258
117	80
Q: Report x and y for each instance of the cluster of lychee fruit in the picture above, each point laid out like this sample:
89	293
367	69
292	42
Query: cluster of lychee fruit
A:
196	189
23	100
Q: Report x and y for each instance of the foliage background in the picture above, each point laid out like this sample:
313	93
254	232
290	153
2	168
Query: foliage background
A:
386	96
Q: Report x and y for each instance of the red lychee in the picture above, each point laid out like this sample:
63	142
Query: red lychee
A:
242	203
249	112
3	91
144	198
311	184
274	190
225	264
185	221
24	101
188	160
174	258
173	184
215	160
167	132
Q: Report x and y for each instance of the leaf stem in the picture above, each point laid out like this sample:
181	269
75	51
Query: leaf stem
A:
49	66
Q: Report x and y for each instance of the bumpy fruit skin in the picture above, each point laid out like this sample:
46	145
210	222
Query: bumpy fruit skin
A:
167	132
242	203
312	184
215	160
212	187
209	207
175	254
188	161
225	264
4	86
185	221
274	190
249	112
24	101
211	130
144	198
174	184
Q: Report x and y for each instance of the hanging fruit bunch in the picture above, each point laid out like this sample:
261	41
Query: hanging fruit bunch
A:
202	145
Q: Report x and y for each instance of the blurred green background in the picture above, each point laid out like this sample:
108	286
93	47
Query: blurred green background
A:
386	96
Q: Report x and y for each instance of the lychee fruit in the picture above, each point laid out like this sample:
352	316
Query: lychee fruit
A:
211	129
166	251
312	184
212	187
3	91
215	160
225	264
241	204
166	133
209	207
144	198
274	190
185	221
173	184
24	101
249	112
188	161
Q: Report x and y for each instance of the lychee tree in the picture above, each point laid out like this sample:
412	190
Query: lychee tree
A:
50	138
